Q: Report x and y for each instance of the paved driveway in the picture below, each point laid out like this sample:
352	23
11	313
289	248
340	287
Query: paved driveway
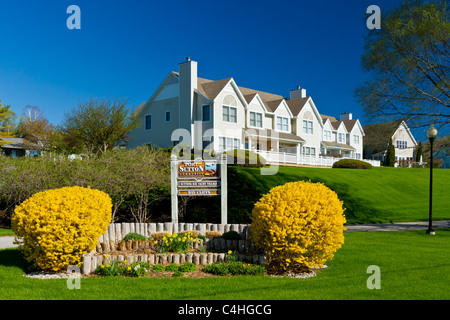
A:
401	226
7	242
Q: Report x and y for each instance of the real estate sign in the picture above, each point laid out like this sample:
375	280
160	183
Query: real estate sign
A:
199	178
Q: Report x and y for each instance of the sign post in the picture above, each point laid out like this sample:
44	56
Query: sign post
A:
198	178
174	187
223	190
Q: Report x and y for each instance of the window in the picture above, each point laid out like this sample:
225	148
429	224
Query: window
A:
256	119
206	113
282	124
341	138
148	122
229	114
307	127
356	139
228	143
307	151
206	143
358	156
327	135
402	144
168	116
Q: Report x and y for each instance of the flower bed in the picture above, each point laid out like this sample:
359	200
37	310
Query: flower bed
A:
171	265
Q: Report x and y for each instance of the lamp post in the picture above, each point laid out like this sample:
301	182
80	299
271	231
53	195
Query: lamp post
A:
431	134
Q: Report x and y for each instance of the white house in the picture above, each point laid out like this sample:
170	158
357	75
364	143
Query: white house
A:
221	115
377	140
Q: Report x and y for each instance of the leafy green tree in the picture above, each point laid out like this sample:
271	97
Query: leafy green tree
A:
98	124
7	117
419	152
389	160
408	61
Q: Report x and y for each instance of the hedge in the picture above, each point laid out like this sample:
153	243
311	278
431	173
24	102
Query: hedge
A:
352	164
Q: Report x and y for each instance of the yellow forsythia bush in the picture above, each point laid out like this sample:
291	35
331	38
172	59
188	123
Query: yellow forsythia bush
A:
59	226
299	222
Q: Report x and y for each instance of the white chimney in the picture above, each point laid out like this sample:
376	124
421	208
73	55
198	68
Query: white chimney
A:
346	116
188	83
298	93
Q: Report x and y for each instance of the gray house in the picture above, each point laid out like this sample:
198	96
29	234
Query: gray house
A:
18	147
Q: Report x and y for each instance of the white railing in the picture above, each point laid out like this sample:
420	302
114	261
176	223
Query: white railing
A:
292	158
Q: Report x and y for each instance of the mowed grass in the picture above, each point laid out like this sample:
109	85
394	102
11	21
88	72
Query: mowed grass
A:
6	232
378	195
412	265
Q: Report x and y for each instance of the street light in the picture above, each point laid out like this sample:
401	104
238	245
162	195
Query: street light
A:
431	134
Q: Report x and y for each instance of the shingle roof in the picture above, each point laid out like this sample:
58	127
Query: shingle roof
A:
338	145
210	89
272	134
324	118
380	132
296	105
17	143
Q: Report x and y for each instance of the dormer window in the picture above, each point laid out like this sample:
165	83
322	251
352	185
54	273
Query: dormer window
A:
283	124
229	109
256	119
307	127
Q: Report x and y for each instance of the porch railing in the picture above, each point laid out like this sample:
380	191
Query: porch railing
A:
292	158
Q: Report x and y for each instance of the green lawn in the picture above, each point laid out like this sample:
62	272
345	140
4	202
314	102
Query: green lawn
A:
370	196
413	265
6	232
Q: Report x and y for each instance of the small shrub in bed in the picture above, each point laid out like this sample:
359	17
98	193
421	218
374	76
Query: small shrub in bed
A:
134	236
231	235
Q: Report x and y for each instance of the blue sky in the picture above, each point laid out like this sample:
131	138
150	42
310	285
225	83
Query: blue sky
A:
126	48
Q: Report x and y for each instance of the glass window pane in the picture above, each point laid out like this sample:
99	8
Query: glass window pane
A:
148	122
236	144
233	115
252	119
206	115
226	114
259	120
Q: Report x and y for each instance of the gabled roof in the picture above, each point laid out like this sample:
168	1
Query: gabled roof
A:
335	123
210	89
296	105
349	124
324	118
272	101
380	132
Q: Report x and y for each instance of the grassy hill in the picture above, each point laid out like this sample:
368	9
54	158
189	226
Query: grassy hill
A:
378	195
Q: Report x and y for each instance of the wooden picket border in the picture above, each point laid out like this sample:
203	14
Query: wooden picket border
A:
118	231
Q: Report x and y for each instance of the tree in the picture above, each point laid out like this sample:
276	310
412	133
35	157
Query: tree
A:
408	61
6	123
389	160
35	128
419	152
98	125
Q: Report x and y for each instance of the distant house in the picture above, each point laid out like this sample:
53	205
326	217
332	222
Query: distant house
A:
377	138
444	154
18	147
